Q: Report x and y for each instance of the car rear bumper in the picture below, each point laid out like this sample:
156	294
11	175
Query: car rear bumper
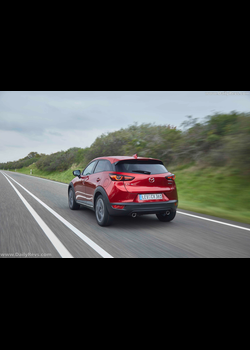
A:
142	208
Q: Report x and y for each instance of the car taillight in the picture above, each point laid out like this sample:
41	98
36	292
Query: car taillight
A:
118	206
171	177
116	177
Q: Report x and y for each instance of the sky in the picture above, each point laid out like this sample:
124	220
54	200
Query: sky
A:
51	121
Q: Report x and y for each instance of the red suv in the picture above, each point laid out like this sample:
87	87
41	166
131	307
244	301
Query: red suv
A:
117	185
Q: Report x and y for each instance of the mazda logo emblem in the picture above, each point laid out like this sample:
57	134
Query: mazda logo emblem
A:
151	179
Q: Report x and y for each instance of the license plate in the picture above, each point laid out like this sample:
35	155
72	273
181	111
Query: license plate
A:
147	197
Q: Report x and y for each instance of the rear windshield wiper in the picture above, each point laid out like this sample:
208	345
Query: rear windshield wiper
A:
142	171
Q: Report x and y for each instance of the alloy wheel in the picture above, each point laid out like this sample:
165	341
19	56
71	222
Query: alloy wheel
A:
100	210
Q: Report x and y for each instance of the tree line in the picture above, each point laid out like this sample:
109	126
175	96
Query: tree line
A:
219	140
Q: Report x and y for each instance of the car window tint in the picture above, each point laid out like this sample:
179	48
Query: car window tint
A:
130	166
89	169
103	165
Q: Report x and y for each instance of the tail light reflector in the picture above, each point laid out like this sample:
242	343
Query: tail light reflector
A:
118	206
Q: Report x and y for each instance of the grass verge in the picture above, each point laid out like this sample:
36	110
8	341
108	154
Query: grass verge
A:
220	192
63	176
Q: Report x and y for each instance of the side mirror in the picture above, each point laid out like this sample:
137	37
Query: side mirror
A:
77	173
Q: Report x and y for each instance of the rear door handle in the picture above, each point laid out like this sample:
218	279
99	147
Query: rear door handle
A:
98	179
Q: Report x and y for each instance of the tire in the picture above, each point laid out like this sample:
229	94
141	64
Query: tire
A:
72	201
166	217
101	213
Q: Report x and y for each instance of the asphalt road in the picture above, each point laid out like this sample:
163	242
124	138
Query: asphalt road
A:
39	224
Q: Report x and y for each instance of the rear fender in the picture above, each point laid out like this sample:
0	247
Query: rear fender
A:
71	186
100	190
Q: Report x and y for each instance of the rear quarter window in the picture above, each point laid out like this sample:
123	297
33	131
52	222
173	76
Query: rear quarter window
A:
103	165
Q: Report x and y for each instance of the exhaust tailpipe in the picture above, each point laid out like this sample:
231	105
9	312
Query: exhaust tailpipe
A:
168	212
134	215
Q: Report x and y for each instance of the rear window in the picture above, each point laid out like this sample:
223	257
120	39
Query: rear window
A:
141	167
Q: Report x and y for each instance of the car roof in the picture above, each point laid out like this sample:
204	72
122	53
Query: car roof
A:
114	159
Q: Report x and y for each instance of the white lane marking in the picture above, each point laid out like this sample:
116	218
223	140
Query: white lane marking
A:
87	240
40	178
216	221
51	236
